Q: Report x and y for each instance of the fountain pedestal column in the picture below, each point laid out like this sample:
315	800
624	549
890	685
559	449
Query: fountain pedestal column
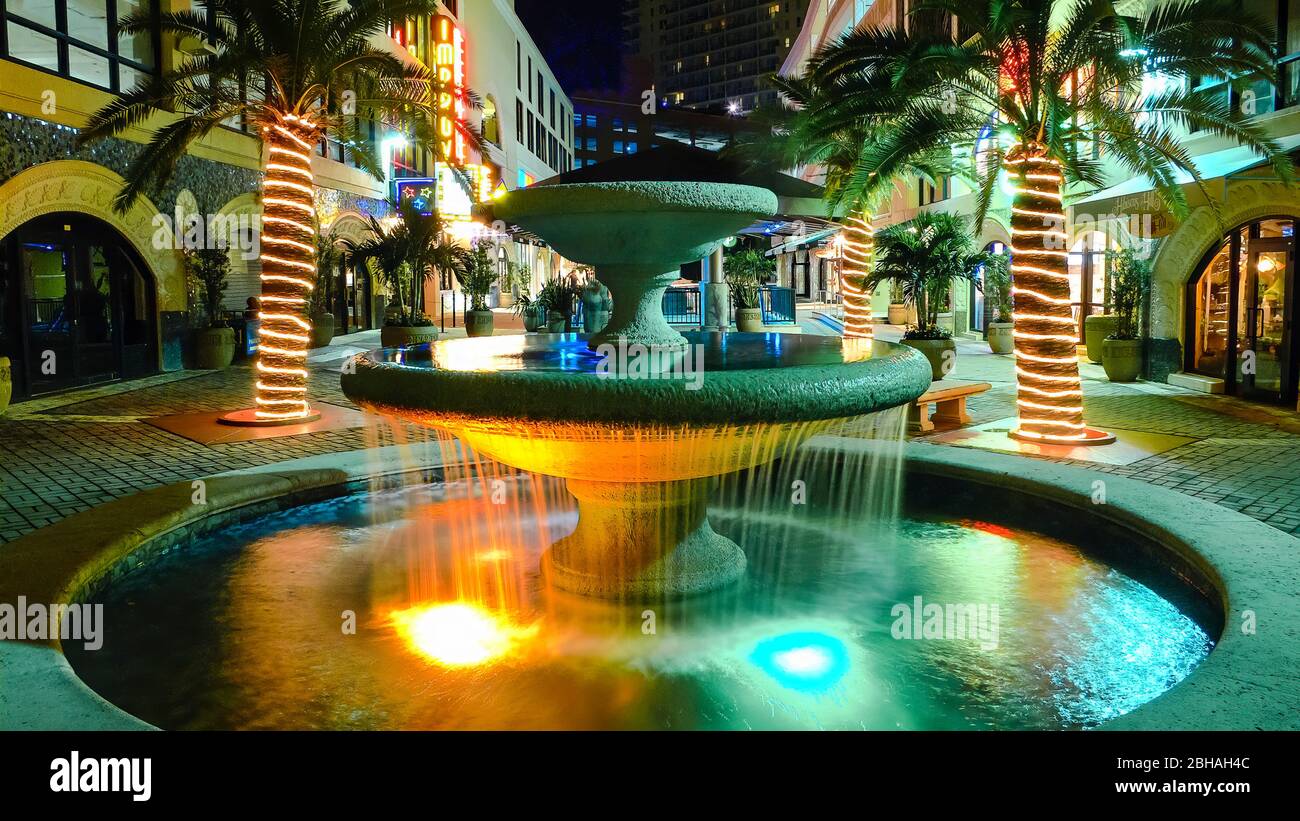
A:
643	540
638	317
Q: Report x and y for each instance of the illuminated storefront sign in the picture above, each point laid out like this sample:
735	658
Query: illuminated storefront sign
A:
449	66
452	192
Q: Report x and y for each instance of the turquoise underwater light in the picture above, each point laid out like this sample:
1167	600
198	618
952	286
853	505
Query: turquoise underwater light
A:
806	662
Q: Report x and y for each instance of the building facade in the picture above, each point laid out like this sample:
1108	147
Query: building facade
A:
713	54
609	125
89	294
1224	296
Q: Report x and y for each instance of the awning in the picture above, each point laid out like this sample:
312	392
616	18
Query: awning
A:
802	243
1137	194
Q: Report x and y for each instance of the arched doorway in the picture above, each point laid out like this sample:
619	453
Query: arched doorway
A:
1242	301
77	305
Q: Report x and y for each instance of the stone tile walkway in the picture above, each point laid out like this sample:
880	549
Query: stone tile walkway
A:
1245	456
67	453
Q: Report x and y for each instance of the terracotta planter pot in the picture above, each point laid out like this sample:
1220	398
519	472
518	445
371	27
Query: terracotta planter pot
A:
322	330
214	348
1122	359
402	336
1095	330
749	320
897	313
942	363
6	383
1001	337
479	323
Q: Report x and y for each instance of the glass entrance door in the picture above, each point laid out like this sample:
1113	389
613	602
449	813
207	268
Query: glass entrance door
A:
49	314
1264	368
82	309
1241	311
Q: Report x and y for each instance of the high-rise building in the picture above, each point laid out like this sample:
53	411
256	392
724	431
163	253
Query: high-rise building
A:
713	54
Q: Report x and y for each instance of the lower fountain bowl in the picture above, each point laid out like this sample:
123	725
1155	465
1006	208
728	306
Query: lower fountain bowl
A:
639	446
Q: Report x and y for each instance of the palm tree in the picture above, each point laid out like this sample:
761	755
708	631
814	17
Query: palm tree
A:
817	125
1055	88
292	70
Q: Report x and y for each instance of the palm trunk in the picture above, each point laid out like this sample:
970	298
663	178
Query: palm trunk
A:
288	270
859	246
1049	396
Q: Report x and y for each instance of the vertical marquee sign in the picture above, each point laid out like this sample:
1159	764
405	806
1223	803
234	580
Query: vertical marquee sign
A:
449	66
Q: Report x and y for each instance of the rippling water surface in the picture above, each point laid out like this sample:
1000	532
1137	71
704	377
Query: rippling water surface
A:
456	628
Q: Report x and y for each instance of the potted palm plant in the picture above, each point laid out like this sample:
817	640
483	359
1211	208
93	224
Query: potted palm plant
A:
557	295
746	271
476	275
327	263
997	289
386	253
897	305
1122	350
927	256
209	269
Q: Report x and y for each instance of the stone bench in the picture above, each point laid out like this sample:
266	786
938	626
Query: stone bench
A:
950	396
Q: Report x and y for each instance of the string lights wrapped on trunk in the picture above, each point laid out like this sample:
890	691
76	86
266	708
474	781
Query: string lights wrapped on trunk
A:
1049	396
859	245
288	276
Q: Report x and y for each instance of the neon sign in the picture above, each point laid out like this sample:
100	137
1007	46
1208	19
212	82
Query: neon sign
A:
449	67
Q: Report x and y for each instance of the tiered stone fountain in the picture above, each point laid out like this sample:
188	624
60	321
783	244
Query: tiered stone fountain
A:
639	451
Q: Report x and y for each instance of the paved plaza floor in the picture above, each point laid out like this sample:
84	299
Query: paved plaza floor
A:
66	453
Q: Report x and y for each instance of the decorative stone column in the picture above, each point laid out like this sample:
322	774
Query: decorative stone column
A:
715	295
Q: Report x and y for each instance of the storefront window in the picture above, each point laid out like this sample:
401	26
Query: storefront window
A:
1239	304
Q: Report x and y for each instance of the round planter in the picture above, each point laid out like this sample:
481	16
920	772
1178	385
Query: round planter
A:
897	313
1001	337
479	323
322	330
941	363
1122	359
401	336
214	348
534	317
749	320
6	383
555	323
1095	330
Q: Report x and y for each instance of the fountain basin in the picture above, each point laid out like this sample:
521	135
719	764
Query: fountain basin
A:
637	453
636	235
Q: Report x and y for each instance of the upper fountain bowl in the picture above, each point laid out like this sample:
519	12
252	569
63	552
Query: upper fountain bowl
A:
659	224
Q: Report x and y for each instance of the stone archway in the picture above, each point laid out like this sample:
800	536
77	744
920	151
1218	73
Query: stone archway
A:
87	188
1181	253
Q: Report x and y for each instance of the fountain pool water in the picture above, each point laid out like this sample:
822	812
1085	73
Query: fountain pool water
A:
457	628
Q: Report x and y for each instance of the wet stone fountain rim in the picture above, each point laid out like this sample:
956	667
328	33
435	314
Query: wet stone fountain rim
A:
1250	564
653	197
893	376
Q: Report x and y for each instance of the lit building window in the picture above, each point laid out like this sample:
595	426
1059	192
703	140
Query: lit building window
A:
78	47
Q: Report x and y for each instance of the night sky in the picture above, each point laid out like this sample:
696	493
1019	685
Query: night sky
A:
581	39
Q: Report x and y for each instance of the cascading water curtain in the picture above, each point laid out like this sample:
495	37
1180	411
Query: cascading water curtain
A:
288	270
